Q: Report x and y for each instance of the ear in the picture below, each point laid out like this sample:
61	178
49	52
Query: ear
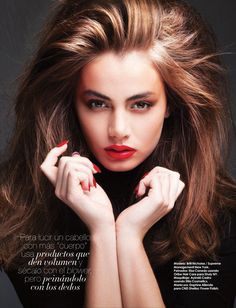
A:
167	114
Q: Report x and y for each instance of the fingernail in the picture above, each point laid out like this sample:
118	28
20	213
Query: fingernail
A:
96	168
62	143
94	182
145	175
85	187
75	153
136	191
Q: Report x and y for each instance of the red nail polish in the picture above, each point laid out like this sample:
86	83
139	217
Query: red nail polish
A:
94	183
136	191
144	175
85	187
62	143
97	168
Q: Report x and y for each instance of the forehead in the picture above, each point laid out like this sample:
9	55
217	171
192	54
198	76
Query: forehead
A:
130	73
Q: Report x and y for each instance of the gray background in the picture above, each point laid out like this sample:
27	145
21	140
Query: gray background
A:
21	20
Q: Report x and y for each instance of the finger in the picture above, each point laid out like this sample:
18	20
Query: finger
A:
79	164
87	165
73	188
141	188
60	174
174	184
86	162
64	167
94	168
67	162
144	184
164	179
52	157
155	191
80	179
160	186
80	168
158	169
76	193
48	165
180	188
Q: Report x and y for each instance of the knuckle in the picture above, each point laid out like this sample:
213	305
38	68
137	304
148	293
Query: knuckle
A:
63	162
165	175
182	183
176	173
90	164
165	204
57	193
63	159
71	173
171	206
70	197
86	160
42	166
155	168
67	164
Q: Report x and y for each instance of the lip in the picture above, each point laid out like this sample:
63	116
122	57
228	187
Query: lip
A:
119	151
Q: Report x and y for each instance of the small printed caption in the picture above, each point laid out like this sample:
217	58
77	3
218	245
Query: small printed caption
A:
196	276
54	262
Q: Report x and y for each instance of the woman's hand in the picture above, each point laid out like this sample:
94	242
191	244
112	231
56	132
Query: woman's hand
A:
75	185
164	186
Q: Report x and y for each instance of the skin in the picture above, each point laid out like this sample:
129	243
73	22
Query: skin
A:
123	119
130	278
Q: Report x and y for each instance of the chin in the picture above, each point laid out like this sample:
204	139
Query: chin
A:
120	166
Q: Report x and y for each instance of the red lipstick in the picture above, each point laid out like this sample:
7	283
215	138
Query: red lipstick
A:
119	151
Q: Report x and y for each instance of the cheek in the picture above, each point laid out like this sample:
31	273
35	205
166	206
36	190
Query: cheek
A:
149	131
92	128
85	123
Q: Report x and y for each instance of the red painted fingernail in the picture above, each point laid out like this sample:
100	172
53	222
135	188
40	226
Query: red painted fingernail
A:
62	143
75	153
97	168
136	191
145	175
94	183
85	187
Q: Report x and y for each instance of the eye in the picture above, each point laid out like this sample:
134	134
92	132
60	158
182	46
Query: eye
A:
142	105
96	104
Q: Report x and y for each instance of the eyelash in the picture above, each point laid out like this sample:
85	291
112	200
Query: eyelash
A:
143	103
95	104
91	102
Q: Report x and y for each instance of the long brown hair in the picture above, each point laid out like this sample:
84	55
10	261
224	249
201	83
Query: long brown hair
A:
193	140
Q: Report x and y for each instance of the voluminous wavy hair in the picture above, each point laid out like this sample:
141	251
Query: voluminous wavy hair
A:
193	140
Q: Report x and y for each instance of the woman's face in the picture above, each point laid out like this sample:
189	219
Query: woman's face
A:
121	106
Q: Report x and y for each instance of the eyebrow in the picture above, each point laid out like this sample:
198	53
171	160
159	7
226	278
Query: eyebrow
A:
97	94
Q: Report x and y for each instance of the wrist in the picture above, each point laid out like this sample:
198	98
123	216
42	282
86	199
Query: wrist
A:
103	234
128	234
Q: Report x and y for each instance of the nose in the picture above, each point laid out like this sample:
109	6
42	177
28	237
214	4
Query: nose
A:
118	128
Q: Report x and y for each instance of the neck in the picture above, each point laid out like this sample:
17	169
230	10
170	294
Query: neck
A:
119	186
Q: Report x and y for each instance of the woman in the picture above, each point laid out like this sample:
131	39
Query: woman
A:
136	90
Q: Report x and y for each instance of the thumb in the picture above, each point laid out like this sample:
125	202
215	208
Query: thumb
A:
48	166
